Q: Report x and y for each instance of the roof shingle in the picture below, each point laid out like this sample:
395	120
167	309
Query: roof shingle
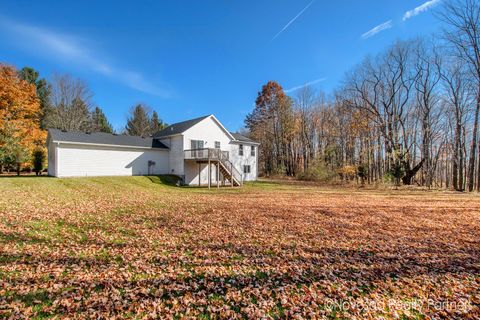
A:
240	137
101	138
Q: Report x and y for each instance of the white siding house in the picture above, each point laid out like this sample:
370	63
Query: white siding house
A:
200	151
69	156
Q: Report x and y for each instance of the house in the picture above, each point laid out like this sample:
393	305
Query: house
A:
200	151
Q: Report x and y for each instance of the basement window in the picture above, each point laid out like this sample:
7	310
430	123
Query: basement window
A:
246	169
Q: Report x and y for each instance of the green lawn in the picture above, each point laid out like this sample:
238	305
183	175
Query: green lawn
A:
138	247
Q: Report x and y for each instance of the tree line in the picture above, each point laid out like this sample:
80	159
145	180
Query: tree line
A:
409	115
29	105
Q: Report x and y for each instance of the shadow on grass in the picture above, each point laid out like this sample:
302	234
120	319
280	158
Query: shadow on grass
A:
23	176
20	238
167	180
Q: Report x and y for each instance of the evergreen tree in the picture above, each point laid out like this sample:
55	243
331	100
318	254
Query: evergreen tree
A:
38	160
99	122
156	124
138	123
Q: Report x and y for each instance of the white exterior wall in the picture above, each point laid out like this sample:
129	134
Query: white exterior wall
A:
81	161
247	159
51	158
191	173
208	131
176	155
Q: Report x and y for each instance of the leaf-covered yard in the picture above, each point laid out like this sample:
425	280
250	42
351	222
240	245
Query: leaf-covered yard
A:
135	248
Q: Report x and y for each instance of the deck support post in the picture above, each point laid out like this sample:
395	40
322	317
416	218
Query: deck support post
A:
218	174
209	174
199	174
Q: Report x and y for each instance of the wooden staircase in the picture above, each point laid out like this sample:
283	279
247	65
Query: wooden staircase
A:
217	156
228	172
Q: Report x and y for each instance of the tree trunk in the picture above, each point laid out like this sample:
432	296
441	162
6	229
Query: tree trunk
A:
478	171
458	158
473	148
410	173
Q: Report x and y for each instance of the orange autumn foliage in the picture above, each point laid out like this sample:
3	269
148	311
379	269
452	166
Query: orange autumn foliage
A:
20	108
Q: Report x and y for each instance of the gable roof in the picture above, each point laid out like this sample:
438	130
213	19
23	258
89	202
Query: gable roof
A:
178	127
101	138
241	138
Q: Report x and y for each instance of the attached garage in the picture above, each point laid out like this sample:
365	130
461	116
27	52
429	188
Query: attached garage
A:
76	154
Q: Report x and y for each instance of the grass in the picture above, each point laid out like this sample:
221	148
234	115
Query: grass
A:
140	247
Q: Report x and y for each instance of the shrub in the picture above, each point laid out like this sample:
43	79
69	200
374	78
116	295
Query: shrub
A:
362	173
317	172
38	160
395	173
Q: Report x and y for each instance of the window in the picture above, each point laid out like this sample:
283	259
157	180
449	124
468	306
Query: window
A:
240	150
252	152
217	144
196	144
246	169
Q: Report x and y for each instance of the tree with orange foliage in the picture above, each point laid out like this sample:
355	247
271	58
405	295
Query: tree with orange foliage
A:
20	116
272	124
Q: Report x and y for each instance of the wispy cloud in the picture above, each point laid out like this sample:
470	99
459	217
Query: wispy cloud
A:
77	52
382	27
424	7
305	85
293	20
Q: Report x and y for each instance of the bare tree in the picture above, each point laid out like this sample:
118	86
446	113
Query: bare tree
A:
427	77
70	102
305	104
458	97
463	33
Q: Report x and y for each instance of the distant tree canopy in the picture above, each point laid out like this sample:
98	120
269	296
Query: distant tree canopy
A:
410	114
140	123
20	116
70	107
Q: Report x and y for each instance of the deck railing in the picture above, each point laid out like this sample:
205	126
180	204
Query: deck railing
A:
215	155
206	154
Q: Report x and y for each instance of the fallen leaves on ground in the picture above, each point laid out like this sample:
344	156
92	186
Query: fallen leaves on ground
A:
133	248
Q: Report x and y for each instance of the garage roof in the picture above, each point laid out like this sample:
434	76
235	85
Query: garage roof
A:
101	138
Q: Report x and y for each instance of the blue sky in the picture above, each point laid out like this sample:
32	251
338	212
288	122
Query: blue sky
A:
191	58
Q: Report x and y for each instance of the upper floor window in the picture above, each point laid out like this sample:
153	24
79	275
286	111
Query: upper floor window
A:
246	169
240	150
217	144
196	144
252	151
